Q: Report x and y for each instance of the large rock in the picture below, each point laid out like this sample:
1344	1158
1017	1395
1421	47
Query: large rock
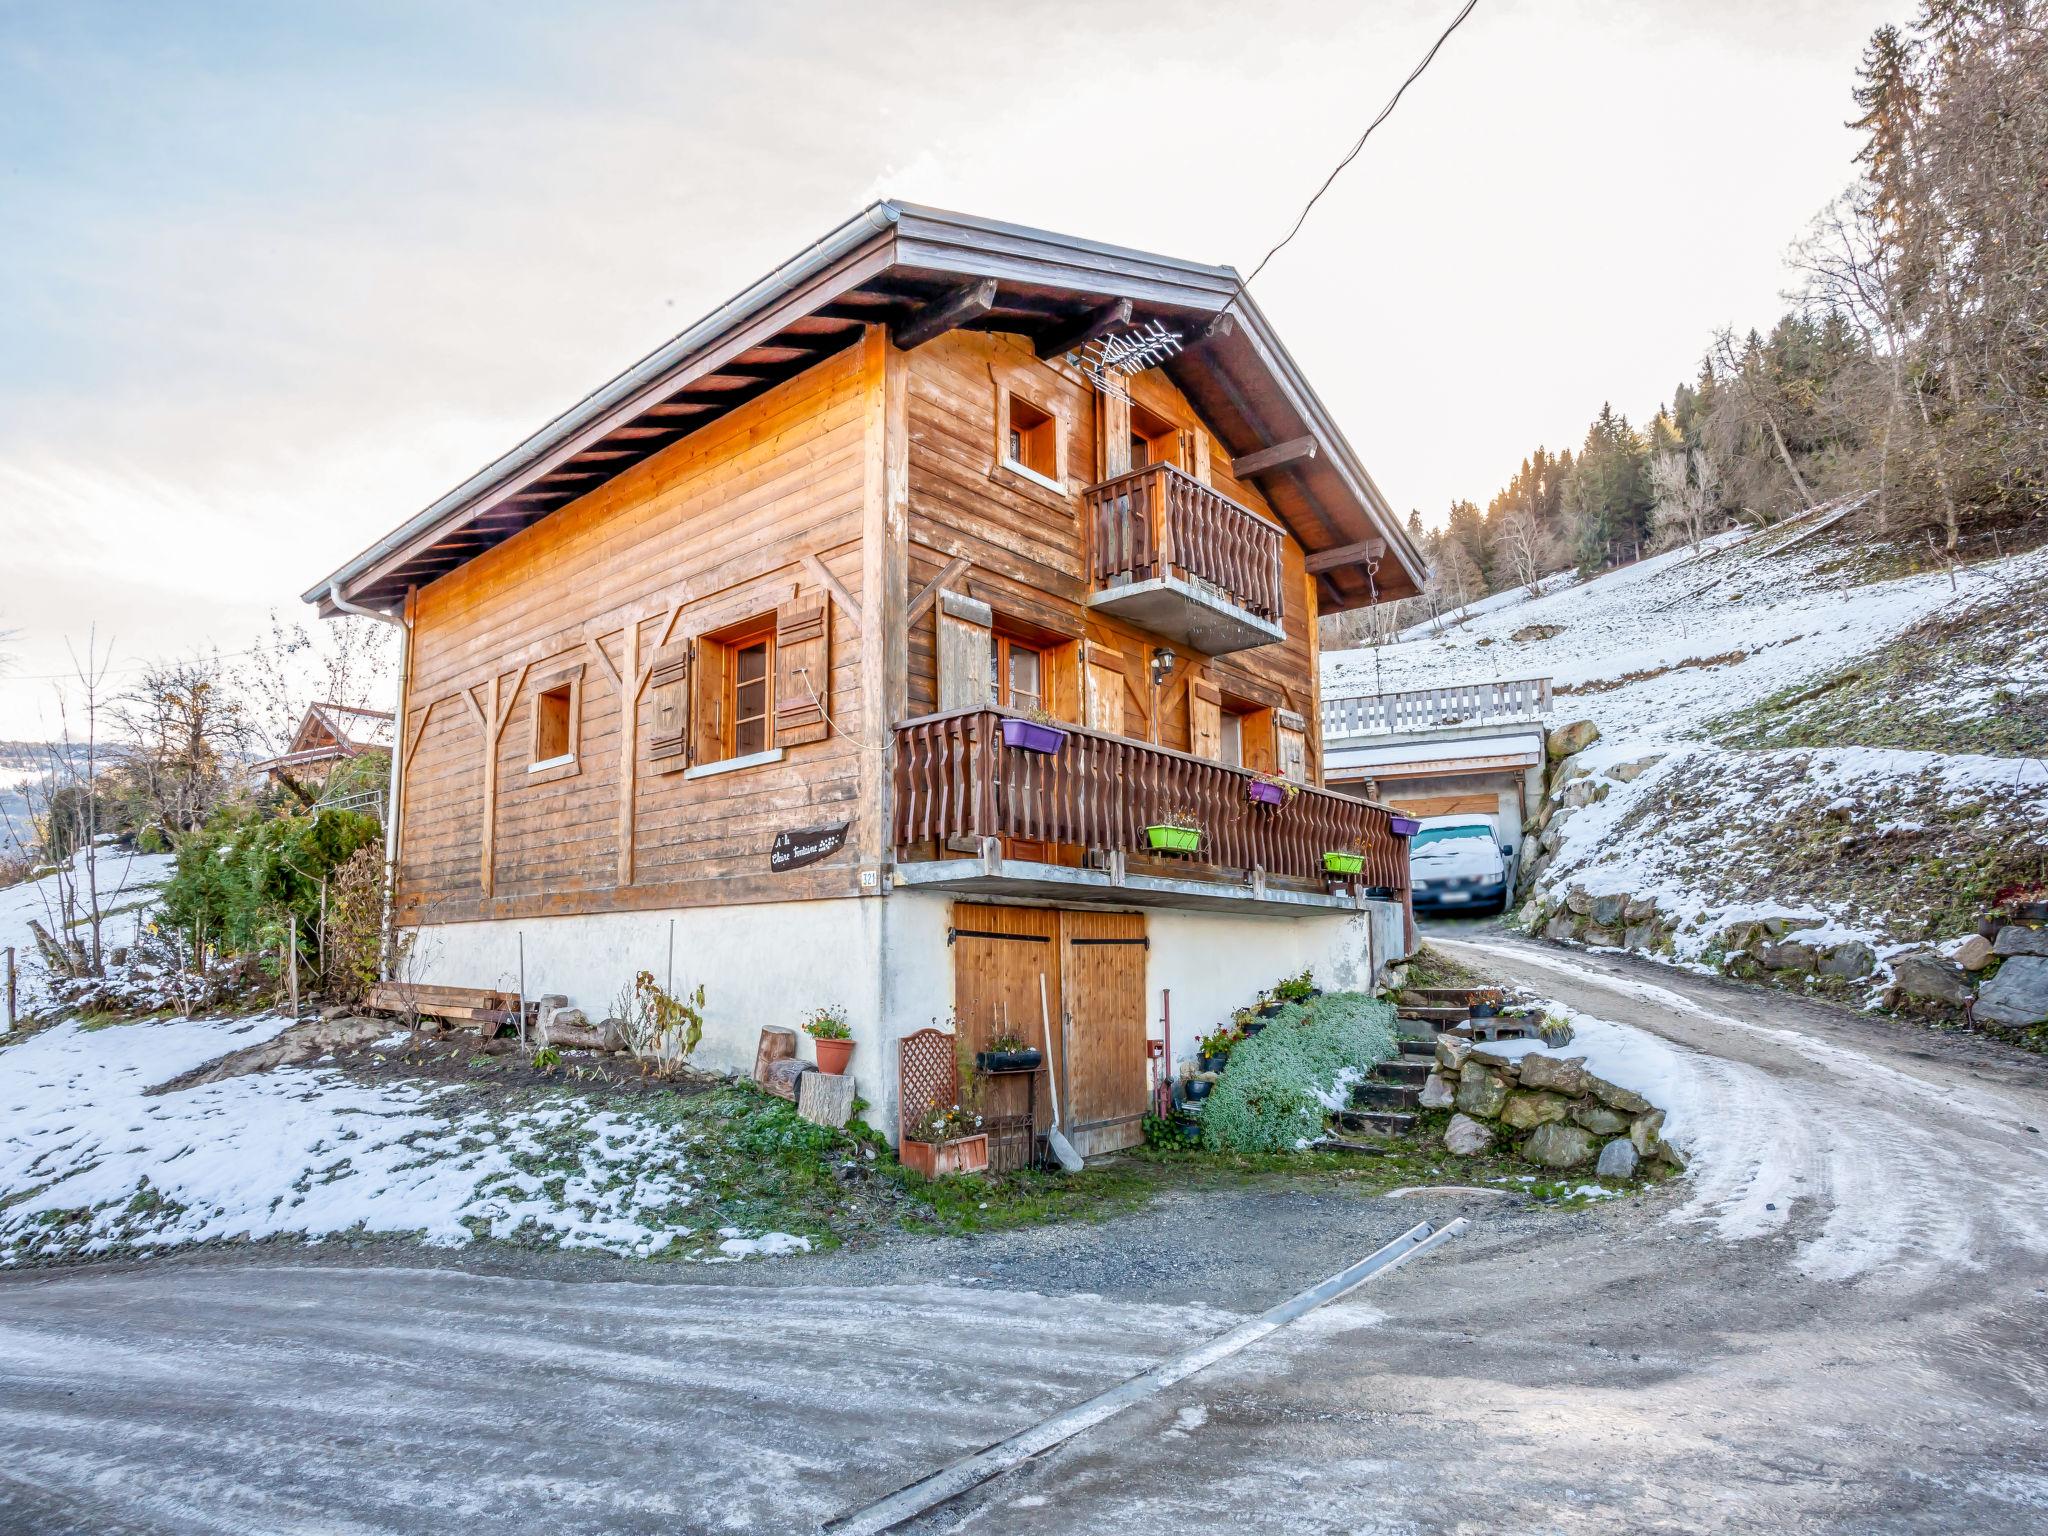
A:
1851	961
1787	955
1628	773
1558	1074
1601	938
1607	910
1646	1132
1452	1051
1639	909
2015	940
2018	995
1558	1145
1579	900
1466	1137
1617	1161
1614	1096
1598	1118
1642	936
1500	1061
1928	978
1584	792
1437	1092
1481	1092
1525	1111
1737	937
1569	740
1562	926
1974	953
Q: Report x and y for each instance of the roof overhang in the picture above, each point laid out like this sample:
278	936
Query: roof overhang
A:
883	266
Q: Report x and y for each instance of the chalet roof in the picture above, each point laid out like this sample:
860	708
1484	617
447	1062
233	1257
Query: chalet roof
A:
889	264
330	731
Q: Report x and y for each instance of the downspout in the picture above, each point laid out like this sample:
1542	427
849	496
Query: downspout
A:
394	804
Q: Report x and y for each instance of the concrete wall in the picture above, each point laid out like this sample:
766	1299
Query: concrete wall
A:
886	962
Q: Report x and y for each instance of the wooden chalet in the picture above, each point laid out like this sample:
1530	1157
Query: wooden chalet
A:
720	659
328	734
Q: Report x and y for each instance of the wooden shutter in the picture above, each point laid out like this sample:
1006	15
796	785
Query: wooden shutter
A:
668	686
1290	744
966	651
707	718
1256	732
1205	718
803	670
1103	689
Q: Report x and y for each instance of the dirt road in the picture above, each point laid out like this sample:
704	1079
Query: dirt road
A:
1836	1322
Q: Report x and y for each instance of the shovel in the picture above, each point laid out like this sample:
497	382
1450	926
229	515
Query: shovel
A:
1069	1159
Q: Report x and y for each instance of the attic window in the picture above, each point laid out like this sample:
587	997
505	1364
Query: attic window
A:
1031	439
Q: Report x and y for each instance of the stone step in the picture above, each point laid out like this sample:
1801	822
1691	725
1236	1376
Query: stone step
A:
1455	996
1403	1069
1416	1045
1433	1014
1371	1095
1391	1121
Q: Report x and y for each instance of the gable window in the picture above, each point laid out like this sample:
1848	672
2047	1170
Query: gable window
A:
1017	674
557	724
1031	439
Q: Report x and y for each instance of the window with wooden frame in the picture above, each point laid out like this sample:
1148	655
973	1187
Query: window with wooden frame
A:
1154	439
557	725
1018	673
1029	439
736	692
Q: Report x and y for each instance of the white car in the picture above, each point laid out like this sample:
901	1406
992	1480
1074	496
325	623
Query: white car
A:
1459	864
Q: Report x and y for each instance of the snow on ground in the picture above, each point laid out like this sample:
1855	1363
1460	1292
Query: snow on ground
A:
1655	651
313	1153
126	881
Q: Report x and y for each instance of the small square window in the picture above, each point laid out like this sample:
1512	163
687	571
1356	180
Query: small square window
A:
1031	438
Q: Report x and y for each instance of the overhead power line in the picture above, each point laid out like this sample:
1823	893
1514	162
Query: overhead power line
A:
1385	112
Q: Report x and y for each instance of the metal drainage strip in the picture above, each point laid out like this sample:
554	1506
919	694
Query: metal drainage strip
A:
950	1482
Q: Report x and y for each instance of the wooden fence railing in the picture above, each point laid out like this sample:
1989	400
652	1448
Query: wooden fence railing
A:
1423	709
1160	520
955	779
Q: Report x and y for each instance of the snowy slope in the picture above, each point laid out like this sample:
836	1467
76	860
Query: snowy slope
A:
1654	654
126	882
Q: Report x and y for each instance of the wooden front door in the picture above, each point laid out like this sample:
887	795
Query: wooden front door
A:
1102	975
999	956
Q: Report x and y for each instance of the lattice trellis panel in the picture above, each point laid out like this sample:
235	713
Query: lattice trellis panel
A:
927	1075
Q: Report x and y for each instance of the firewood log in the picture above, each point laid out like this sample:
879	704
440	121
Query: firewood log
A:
776	1044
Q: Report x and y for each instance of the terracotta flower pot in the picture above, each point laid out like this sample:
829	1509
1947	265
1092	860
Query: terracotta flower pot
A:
833	1056
935	1159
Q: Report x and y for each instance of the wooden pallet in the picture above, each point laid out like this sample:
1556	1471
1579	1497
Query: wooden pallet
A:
487	1009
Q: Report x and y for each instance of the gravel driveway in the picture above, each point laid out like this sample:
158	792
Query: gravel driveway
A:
1847	1337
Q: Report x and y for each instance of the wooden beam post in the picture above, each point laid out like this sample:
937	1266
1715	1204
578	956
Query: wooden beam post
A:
1365	552
1097	322
493	720
1292	451
949	311
885	579
832	584
932	589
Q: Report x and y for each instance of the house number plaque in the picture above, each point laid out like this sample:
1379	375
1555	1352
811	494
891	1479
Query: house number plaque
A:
806	845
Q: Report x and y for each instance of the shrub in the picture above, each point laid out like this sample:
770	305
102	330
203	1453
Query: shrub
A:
1273	1098
828	1023
245	876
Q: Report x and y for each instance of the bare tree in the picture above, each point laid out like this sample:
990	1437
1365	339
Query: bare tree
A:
1526	548
185	735
349	663
1687	487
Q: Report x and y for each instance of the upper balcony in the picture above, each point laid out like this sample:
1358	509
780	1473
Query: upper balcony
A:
1176	557
1072	824
1518	701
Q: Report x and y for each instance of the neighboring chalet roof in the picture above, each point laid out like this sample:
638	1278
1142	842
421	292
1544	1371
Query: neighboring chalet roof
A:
332	731
895	263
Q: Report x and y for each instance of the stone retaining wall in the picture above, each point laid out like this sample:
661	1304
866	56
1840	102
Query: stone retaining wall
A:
1549	1109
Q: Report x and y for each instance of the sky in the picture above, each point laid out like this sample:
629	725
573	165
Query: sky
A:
272	278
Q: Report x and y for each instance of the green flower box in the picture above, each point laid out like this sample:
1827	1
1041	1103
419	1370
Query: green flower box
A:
1175	839
1344	863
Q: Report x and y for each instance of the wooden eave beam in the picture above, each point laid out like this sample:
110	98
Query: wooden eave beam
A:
1364	552
1293	451
1096	323
948	312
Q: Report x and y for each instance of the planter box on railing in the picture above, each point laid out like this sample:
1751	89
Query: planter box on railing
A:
1343	863
1264	792
1174	839
1031	736
1403	826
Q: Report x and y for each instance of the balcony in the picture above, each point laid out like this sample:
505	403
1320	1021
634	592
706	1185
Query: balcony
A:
1521	701
1083	811
1171	555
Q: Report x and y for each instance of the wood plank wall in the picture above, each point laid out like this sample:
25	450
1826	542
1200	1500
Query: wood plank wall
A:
1025	545
718	524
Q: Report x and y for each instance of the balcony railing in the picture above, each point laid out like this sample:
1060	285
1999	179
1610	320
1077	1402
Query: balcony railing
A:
956	780
1427	709
1160	522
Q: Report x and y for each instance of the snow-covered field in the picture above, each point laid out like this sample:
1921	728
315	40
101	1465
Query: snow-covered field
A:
310	1152
1655	652
125	882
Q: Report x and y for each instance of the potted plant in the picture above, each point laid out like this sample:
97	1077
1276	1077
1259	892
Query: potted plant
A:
947	1138
1249	1022
831	1037
1008	1053
1033	731
1269	789
1486	1003
1196	1089
1212	1051
1175	832
1297	989
1404	826
1345	861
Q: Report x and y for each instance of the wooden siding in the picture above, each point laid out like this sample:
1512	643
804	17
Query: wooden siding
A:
1024	544
715	529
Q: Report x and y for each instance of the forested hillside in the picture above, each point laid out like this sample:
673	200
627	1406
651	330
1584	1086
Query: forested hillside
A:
1911	364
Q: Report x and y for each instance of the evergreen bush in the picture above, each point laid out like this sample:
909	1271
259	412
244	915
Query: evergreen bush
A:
246	875
1272	1097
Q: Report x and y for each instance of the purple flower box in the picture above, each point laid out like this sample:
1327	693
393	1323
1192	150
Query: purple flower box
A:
1259	792
1033	737
1404	826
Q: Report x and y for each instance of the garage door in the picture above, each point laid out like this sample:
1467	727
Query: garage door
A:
1446	805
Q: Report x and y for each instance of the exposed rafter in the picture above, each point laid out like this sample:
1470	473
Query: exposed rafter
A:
1097	322
948	312
1364	552
1292	451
